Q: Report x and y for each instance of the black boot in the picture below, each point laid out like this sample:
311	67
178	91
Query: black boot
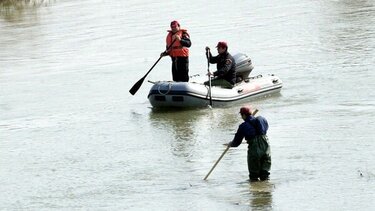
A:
254	177
264	175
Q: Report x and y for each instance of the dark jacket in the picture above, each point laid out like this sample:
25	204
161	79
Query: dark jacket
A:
225	66
250	128
185	40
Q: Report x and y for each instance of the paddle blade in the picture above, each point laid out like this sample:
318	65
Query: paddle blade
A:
136	86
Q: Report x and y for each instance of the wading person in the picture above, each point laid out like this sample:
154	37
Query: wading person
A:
225	75
179	40
254	130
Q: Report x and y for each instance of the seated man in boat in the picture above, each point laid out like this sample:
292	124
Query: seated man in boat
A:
225	75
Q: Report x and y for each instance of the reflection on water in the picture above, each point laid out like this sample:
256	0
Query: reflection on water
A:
181	125
179	122
18	10
261	195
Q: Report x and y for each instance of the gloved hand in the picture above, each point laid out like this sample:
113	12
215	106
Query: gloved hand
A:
164	53
176	37
228	144
207	48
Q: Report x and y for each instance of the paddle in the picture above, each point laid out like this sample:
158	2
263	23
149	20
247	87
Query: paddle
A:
222	155
137	85
209	76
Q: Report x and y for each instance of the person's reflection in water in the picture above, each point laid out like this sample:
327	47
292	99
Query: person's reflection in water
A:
181	125
20	11
261	195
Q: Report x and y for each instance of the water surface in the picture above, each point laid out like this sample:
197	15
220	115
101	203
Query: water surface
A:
72	137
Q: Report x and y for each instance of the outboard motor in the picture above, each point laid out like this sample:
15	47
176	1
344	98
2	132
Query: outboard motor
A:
243	66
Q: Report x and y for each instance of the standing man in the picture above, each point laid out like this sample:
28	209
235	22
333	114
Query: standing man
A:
225	75
179	41
254	130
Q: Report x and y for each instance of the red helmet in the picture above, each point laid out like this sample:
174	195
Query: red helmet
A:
246	110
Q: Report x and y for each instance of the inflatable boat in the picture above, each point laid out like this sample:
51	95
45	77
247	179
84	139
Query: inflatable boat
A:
194	94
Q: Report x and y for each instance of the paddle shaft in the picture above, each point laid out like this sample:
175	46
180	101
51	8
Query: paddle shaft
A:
225	151
209	76
137	85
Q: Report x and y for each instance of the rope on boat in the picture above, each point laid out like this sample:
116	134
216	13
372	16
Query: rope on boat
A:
169	89
192	76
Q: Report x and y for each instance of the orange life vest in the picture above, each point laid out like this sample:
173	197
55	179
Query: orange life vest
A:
177	49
